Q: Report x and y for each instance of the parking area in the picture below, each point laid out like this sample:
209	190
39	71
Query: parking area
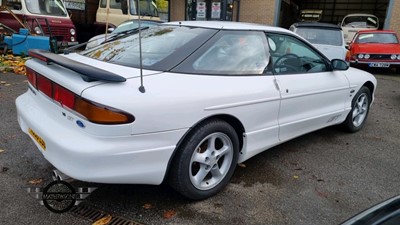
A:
324	177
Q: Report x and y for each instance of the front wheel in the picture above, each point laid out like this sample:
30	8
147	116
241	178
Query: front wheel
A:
205	160
359	111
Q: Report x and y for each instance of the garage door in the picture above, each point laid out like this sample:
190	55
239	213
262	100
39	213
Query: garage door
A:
333	11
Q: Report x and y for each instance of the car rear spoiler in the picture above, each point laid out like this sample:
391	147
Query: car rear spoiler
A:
89	73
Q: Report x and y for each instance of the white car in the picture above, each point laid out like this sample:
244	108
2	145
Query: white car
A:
353	23
209	95
123	28
327	38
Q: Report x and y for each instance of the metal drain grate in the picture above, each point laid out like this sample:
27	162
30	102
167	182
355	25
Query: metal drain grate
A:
93	214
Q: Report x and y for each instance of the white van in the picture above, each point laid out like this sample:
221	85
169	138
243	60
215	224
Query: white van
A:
353	23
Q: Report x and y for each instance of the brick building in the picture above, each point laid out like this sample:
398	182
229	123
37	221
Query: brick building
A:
283	12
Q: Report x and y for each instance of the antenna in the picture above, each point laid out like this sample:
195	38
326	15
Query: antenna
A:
141	88
106	31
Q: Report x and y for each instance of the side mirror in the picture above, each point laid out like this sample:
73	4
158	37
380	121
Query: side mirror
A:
339	64
111	29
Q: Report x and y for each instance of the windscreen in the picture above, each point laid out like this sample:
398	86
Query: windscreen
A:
147	8
361	21
46	7
321	36
385	38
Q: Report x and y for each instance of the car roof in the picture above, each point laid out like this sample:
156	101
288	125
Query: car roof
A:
361	14
317	25
143	20
228	25
376	31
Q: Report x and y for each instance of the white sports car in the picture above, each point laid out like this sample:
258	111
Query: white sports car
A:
187	105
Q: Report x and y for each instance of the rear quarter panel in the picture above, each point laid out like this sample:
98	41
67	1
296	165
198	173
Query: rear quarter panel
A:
175	101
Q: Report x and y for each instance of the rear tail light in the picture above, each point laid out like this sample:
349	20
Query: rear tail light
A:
97	113
64	96
31	76
92	111
44	85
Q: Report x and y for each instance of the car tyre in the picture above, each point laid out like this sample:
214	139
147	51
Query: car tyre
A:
205	160
359	111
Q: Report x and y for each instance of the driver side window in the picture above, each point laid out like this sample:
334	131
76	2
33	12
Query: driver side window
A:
291	56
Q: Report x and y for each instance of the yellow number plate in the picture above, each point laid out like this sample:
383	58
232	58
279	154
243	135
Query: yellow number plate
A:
38	139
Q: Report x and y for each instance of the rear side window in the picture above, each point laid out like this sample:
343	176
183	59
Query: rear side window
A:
230	53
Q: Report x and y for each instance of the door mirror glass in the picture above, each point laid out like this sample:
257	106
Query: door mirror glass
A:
338	64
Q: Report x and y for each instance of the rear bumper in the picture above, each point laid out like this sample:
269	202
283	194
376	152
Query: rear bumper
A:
134	159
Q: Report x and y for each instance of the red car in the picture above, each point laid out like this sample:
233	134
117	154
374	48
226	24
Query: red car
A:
375	48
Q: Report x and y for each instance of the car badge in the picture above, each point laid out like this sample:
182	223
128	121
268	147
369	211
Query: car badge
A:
80	124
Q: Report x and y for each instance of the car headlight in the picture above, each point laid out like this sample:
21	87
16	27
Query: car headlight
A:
398	56
72	31
366	56
393	56
360	56
37	30
72	39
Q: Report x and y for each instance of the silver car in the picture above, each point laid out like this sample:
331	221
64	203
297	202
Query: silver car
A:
327	38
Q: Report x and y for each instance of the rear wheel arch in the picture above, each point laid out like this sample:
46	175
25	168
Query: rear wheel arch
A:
231	120
205	160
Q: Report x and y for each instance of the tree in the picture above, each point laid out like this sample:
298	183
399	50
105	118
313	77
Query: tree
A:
162	5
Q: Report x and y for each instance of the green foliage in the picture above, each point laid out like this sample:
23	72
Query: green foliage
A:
162	5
